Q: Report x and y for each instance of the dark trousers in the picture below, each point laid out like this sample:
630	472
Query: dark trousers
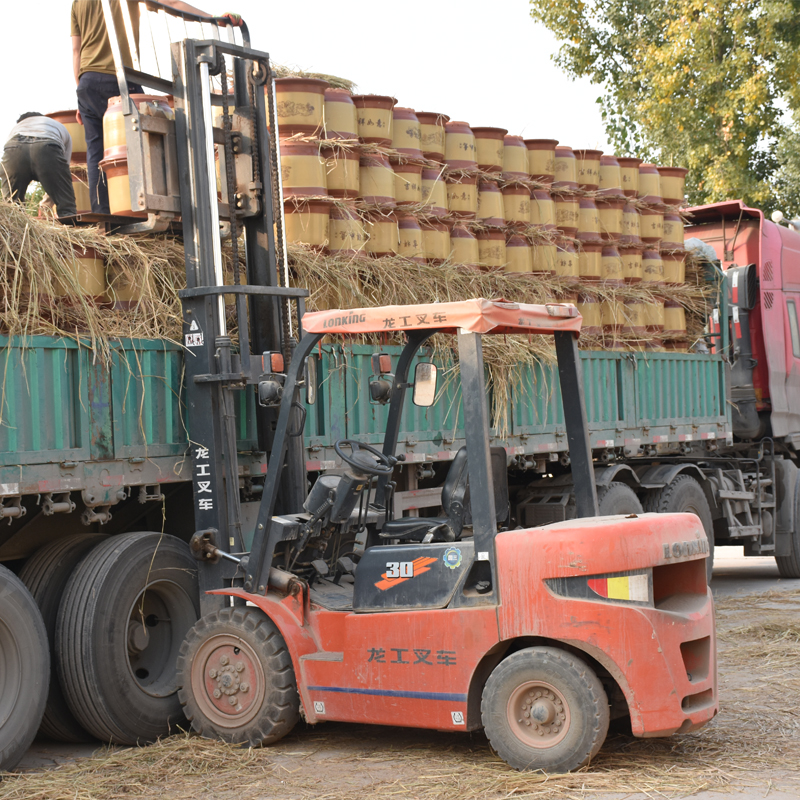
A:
95	89
28	158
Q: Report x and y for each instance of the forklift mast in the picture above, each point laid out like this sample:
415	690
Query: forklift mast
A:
223	93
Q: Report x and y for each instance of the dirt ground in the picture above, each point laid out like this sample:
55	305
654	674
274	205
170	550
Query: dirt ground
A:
752	749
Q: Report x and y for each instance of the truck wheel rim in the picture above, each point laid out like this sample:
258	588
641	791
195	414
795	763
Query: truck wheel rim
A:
10	673
538	714
228	681
159	619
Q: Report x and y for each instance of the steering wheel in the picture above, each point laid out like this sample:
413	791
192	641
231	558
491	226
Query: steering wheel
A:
385	463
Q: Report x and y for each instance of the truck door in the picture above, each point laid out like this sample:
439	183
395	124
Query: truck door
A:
787	336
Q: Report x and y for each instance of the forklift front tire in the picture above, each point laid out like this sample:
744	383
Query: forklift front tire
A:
236	678
545	709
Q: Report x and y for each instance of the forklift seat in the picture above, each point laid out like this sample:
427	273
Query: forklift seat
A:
455	503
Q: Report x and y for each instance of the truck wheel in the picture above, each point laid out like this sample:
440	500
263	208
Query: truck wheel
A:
685	495
125	612
236	678
46	574
543	708
617	498
24	669
789	566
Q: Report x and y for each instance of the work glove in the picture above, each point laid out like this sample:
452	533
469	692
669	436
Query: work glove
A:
232	19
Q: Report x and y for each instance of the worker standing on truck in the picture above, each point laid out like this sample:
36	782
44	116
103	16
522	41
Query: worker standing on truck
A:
95	74
39	149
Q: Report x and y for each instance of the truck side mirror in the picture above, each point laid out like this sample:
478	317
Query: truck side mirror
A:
424	384
311	380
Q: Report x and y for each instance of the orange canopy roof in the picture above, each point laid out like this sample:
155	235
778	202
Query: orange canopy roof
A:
478	316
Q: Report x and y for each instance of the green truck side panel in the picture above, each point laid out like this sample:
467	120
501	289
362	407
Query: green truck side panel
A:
58	404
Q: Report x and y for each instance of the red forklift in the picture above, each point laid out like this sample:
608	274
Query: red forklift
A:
540	636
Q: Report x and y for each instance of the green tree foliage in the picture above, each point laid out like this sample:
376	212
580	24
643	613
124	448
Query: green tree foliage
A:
704	84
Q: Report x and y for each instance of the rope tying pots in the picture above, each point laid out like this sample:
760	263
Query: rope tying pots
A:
375	118
432	133
300	104
341	118
542	159
489	144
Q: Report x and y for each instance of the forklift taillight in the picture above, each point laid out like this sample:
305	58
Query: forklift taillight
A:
272	362
561	310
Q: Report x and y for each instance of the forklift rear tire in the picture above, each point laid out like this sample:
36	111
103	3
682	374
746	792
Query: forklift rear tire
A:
617	498
46	574
24	669
685	496
236	678
545	709
122	621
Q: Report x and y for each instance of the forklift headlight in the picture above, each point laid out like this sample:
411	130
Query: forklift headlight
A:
633	586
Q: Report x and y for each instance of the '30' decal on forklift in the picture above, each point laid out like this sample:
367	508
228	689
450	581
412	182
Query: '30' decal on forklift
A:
400	571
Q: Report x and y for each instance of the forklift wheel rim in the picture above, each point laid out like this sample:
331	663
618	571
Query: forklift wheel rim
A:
538	714
227	664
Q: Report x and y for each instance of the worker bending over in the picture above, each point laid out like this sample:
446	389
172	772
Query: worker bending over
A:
39	149
95	74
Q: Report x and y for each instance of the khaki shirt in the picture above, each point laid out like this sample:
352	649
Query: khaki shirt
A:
87	21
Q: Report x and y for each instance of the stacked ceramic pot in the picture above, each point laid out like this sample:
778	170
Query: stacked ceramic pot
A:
673	256
77	162
300	111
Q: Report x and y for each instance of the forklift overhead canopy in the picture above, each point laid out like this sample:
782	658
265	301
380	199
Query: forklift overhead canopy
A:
478	316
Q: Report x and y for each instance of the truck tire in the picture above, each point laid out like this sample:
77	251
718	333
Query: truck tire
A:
789	566
237	680
46	574
543	708
685	495
24	669
617	498
123	617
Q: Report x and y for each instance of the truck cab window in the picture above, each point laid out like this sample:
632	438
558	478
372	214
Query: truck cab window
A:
793	326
